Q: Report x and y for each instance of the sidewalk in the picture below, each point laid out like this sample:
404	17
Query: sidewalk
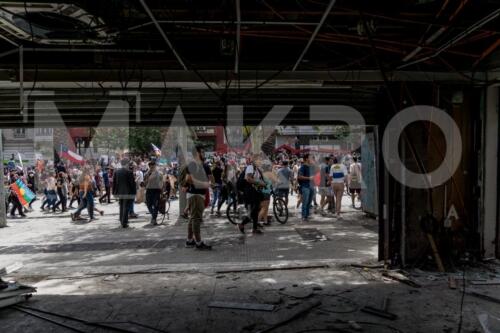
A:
47	243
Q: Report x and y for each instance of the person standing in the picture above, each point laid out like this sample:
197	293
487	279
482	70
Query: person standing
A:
197	180
124	188
305	179
154	185
217	188
338	174
252	193
355	180
285	178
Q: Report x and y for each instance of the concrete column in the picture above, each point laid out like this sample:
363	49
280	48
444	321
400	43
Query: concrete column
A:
183	143
490	178
3	213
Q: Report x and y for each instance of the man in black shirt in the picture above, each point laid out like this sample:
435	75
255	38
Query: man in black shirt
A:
217	173
197	180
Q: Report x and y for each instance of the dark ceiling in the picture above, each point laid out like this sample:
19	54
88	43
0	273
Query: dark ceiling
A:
273	35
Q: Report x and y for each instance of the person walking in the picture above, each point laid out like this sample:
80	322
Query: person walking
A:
197	180
153	181
338	174
305	179
106	197
124	188
86	196
62	191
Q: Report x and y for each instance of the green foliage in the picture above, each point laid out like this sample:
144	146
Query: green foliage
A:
142	138
137	140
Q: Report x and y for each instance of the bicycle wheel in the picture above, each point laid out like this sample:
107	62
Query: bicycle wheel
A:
280	210
232	212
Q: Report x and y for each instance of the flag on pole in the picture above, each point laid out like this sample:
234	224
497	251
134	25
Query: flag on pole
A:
23	193
20	160
71	156
156	150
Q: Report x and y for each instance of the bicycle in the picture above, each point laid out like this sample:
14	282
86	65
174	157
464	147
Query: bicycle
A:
280	208
236	210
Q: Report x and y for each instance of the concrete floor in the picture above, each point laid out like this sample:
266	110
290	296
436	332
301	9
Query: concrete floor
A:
147	281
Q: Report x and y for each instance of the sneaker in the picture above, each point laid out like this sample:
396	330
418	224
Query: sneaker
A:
242	228
153	221
133	216
257	232
203	247
101	212
23	215
190	243
73	216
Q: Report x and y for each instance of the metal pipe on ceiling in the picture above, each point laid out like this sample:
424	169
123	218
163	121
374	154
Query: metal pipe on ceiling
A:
221	22
456	39
315	33
162	33
238	37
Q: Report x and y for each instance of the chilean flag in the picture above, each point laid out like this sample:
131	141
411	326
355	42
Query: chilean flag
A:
71	156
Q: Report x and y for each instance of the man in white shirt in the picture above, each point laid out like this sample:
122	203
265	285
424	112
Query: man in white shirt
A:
338	174
355	180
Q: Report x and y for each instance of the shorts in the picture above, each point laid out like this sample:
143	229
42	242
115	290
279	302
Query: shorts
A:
354	190
282	192
323	190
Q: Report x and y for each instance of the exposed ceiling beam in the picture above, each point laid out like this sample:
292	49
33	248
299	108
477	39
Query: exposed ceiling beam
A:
456	39
162	33
238	37
315	33
340	77
487	52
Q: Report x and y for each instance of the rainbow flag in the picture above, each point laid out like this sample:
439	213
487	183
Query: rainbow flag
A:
24	194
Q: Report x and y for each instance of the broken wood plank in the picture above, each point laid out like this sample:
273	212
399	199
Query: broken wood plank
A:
484	296
266	269
374	266
379	313
242	306
435	252
300	312
401	278
485	282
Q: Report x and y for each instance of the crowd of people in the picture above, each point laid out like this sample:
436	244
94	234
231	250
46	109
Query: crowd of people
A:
210	183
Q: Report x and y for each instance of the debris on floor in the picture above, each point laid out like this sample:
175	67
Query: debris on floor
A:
12	292
241	306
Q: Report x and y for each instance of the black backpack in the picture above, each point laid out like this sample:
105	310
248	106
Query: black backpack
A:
241	183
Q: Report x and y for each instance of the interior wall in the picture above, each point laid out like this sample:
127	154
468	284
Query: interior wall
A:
490	189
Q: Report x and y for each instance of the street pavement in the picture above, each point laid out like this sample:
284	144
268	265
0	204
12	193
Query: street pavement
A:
51	244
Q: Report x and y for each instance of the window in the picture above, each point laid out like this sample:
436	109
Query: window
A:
19	133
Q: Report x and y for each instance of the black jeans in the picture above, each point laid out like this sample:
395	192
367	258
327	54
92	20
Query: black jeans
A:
153	201
62	200
124	209
253	199
106	195
16	204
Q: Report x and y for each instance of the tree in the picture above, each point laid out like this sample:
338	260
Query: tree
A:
112	138
142	138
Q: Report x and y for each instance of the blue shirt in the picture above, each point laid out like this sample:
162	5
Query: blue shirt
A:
305	171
